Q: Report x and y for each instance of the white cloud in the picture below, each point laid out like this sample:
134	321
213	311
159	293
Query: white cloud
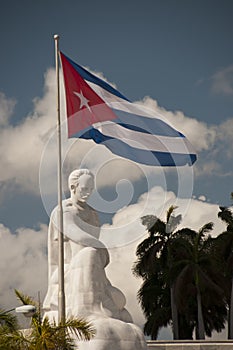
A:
23	150
225	136
209	141
23	263
23	260
207	167
22	147
216	160
126	227
195	214
120	274
222	81
201	135
6	109
213	143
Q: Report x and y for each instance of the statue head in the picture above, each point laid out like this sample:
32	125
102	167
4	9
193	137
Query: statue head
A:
81	185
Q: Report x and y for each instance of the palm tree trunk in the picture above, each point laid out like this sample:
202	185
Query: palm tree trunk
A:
175	327
230	316
200	321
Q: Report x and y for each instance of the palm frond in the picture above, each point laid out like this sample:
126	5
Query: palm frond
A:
226	215
207	283
170	211
156	321
159	228
186	233
148	221
12	340
48	335
147	263
206	229
146	244
78	326
25	299
8	319
173	223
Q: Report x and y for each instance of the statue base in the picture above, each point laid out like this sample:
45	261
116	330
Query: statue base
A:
190	345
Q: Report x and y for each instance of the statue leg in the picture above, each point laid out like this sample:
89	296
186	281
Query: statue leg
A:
86	282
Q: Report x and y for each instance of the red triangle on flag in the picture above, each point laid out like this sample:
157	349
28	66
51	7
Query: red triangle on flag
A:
84	106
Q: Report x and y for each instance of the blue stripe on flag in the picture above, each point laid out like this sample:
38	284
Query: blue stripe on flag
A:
147	125
142	156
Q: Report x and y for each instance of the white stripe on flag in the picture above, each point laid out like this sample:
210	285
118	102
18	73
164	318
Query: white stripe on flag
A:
116	102
145	141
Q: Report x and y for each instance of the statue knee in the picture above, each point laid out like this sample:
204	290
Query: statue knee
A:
93	256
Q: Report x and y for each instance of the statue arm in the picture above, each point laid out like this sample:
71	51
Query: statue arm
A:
75	232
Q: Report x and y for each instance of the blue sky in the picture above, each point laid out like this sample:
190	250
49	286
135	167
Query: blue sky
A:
179	53
168	50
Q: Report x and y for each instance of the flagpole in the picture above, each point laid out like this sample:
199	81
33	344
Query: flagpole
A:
61	282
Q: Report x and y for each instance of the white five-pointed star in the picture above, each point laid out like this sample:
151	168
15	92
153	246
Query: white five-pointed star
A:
83	100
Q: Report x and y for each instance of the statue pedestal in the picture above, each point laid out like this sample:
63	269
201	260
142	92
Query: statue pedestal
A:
190	345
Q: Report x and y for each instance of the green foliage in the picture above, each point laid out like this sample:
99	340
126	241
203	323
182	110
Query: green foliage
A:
10	337
189	263
12	340
154	266
195	272
8	320
224	253
43	334
154	296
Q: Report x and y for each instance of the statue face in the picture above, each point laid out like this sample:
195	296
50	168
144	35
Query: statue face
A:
82	191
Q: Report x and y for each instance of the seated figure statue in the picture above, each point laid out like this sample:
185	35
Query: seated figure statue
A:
89	293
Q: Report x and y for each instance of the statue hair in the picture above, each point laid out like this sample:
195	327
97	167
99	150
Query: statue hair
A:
76	174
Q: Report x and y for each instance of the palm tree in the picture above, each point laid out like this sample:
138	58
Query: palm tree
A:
225	248
153	264
197	291
8	320
10	337
45	335
154	297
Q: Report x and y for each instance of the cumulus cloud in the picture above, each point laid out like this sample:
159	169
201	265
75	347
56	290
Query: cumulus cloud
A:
225	135
126	227
201	135
21	145
28	151
195	214
23	263
222	81
6	109
209	141
119	271
23	257
216	160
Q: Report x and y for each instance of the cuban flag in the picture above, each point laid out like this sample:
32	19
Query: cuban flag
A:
97	111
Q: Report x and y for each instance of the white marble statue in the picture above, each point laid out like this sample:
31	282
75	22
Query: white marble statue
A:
89	293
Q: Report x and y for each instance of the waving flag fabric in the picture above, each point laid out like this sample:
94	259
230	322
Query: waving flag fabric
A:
97	111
